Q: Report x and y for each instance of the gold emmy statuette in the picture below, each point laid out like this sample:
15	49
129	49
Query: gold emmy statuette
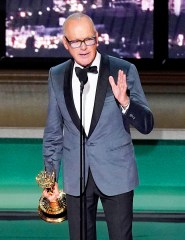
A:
56	211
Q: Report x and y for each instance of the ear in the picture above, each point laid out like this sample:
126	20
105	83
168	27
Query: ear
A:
96	38
65	43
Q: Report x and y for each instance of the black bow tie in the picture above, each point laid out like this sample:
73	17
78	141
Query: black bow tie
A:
81	73
91	69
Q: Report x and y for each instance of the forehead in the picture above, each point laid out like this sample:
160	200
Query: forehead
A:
79	28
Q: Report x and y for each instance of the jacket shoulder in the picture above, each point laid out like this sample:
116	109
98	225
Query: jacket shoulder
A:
60	68
117	63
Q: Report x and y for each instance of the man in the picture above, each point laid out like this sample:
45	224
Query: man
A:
112	100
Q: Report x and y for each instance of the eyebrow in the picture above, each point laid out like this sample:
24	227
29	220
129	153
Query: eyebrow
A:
79	39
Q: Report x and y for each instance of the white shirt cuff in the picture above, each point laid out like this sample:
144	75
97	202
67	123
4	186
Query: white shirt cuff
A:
124	109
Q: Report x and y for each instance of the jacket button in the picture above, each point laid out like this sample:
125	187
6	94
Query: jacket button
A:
132	116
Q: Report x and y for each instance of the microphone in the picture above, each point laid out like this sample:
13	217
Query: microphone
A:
82	74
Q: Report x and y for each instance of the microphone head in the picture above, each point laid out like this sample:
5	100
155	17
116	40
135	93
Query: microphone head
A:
81	74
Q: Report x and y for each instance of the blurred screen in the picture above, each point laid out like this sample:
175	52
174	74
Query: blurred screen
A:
176	36
34	27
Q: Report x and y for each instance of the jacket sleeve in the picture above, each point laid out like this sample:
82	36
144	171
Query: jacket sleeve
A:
138	114
53	133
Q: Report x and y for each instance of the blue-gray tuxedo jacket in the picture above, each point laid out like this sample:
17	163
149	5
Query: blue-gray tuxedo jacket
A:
109	150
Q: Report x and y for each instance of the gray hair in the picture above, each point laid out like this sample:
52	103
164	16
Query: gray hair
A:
77	16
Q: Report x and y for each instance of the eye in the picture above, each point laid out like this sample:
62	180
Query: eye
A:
75	41
87	39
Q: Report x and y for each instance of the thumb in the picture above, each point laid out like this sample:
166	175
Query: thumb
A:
112	82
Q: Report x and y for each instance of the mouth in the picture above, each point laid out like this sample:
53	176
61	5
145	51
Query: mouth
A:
84	54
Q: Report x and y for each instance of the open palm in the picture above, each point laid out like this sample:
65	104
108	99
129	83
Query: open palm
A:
120	89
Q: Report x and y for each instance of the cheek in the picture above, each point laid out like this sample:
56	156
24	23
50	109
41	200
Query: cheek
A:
72	52
94	50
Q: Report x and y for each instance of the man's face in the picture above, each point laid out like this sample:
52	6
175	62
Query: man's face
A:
79	30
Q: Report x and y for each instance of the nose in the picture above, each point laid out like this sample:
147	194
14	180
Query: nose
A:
83	46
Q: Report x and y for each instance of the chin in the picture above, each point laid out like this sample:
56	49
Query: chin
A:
84	63
85	60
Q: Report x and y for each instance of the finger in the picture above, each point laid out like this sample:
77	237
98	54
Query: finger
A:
122	79
52	198
120	75
56	192
45	193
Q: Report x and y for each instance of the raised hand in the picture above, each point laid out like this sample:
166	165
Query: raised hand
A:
120	89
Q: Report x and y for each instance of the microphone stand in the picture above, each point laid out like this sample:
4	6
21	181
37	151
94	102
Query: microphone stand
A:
83	78
82	172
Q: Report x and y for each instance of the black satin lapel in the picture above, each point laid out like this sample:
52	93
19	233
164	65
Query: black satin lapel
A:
101	91
68	95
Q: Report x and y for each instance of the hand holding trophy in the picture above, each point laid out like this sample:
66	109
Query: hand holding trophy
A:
52	204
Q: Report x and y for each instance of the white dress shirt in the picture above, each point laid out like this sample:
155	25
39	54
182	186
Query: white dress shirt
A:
89	93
